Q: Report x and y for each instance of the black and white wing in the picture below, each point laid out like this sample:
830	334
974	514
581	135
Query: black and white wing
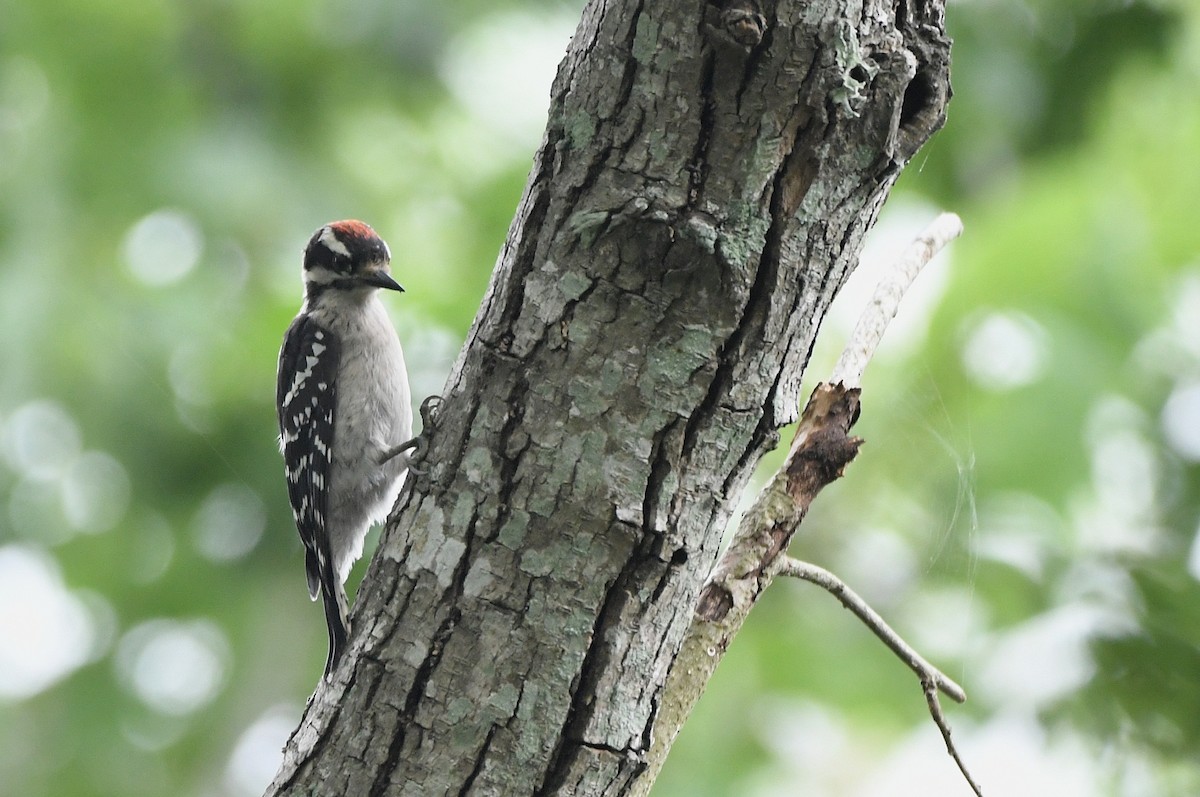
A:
306	394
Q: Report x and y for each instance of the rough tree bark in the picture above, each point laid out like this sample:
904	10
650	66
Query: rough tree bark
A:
706	178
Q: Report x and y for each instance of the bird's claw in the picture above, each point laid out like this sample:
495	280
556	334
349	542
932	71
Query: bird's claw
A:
418	455
428	411
419	445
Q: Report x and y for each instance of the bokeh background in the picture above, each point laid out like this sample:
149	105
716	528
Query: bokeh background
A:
1025	511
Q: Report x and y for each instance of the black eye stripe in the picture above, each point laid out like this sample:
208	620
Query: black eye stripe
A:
318	255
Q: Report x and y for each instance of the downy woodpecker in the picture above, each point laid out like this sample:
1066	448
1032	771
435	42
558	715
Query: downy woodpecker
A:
344	410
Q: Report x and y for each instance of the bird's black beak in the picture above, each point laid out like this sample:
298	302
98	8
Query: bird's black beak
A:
380	279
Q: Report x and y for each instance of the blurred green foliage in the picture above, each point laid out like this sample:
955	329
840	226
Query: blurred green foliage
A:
1025	510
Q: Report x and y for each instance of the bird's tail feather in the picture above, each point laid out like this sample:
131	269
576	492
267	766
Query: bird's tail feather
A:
337	618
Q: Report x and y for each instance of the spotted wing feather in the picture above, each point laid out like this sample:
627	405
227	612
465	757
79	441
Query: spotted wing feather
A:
306	393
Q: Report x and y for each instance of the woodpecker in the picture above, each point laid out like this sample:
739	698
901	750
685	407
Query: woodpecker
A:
345	416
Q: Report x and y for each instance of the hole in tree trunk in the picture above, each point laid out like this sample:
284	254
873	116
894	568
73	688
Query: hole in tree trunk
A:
918	97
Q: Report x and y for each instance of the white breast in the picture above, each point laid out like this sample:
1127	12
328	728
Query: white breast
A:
373	416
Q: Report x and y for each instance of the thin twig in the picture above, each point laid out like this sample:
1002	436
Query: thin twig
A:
939	719
886	300
932	679
852	601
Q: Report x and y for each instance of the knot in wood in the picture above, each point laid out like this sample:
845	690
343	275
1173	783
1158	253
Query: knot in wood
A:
744	23
715	603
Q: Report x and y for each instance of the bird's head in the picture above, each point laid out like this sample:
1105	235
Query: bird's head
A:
347	256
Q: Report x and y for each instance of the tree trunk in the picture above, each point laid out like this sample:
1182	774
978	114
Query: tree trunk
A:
706	178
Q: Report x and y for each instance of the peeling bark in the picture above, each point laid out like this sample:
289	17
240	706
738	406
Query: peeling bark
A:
706	177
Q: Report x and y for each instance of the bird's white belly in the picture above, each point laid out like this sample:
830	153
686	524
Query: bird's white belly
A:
373	415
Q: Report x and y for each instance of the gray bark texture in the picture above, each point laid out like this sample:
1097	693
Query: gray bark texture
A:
707	175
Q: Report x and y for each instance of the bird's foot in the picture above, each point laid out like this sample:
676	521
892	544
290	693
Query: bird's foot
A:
419	445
